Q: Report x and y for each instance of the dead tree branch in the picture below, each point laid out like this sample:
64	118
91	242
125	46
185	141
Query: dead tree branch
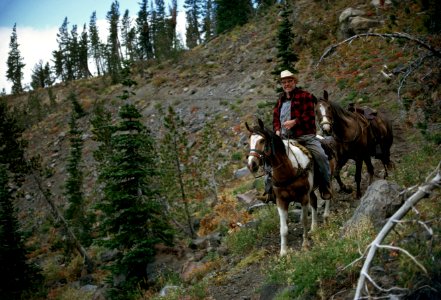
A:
59	218
422	192
409	70
401	35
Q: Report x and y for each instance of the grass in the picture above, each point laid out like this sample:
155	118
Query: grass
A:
323	267
415	165
245	240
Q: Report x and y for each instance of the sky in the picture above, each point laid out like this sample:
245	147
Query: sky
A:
38	22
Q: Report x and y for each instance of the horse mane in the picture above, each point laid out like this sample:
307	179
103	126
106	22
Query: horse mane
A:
339	112
341	117
278	142
270	137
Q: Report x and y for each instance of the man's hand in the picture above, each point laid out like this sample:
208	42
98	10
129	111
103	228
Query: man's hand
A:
289	124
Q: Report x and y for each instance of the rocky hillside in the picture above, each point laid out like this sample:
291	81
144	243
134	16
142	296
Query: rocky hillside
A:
229	80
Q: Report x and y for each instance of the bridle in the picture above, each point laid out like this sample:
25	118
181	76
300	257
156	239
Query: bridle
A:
325	122
267	152
259	154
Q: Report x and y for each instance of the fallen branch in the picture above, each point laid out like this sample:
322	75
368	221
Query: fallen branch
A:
60	219
422	192
400	35
414	65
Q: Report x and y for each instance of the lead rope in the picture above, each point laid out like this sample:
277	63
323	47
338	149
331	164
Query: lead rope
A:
288	149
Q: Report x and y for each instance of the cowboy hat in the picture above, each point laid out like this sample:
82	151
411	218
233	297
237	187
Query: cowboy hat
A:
286	74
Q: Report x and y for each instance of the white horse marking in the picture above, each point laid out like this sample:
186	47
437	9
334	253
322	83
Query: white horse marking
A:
325	123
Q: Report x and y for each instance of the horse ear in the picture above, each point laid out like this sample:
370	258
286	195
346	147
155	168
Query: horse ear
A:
325	95
248	127
261	124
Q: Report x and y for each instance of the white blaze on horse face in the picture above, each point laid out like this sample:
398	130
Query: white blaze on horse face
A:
325	122
254	144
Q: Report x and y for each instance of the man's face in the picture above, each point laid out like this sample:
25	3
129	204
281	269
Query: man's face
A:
288	84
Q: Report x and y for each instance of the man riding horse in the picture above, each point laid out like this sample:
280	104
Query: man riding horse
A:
294	118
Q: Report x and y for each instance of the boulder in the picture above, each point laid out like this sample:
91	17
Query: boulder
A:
361	25
350	13
241	173
352	21
168	290
380	202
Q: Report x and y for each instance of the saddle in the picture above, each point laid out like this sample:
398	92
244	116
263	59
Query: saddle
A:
367	112
371	115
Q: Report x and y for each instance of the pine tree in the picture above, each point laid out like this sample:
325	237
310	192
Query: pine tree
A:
128	36
83	54
114	49
76	214
102	132
20	276
12	146
208	23
285	54
176	163
73	55
41	76
211	142
15	64
95	44
133	221
161	43
231	13
63	65
193	14
172	23
143	30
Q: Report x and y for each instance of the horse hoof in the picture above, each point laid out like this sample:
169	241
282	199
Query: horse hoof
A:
283	252
305	245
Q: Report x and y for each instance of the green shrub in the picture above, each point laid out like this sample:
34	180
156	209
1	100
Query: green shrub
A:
75	294
417	164
311	271
342	83
237	156
244	240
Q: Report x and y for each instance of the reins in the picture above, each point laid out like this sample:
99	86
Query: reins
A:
358	133
300	171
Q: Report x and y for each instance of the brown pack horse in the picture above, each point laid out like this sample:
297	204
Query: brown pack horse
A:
292	177
358	137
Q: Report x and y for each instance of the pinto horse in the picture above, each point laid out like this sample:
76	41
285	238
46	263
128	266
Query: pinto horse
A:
292	177
357	136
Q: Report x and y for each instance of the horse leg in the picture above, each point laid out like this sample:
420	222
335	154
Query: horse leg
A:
370	169
313	205
342	186
283	216
326	213
385	159
358	167
305	243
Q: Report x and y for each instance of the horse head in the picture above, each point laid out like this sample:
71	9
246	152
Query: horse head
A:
259	150
323	114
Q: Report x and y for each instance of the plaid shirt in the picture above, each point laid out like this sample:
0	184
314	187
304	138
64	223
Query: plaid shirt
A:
302	109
